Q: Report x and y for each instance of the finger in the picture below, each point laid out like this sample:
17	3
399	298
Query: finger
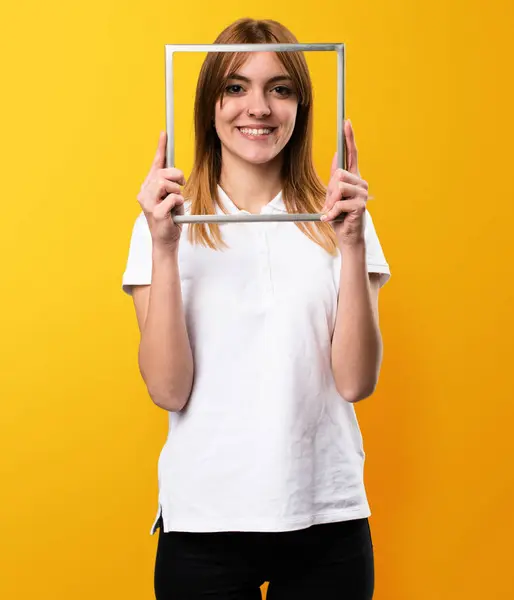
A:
344	206
159	161
171	187
335	163
333	166
343	191
347	190
167	205
156	191
351	149
334	196
173	174
342	175
163	187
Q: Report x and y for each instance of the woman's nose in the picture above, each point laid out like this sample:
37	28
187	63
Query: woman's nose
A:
257	106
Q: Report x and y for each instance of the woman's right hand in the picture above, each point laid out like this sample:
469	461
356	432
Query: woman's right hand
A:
159	195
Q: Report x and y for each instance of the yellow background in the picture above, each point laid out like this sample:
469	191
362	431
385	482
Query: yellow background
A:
431	100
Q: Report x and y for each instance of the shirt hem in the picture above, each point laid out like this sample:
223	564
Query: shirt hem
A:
258	525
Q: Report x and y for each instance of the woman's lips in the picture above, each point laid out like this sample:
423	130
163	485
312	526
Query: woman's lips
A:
257	137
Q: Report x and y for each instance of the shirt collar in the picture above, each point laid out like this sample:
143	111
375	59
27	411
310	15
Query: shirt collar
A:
277	204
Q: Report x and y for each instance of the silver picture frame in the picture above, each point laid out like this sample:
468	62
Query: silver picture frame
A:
171	49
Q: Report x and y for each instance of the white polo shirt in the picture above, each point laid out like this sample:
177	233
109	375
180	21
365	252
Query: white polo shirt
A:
265	442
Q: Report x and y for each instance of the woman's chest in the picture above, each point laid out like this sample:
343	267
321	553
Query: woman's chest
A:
263	267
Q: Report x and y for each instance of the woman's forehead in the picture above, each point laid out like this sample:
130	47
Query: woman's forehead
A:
257	65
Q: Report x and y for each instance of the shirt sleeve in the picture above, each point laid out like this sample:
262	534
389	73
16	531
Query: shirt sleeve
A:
375	257
138	269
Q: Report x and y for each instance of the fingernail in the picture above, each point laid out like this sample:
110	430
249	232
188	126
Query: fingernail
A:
324	218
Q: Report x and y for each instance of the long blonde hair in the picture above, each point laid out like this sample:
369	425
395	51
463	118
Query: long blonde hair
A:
302	189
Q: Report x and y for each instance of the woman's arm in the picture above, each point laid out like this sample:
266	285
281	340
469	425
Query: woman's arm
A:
165	357
357	341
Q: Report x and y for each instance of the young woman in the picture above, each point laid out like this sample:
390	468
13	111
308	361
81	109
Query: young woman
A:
257	339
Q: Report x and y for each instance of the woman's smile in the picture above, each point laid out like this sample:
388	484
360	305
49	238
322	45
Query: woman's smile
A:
256	134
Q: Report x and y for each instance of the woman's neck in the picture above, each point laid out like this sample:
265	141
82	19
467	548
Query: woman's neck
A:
250	186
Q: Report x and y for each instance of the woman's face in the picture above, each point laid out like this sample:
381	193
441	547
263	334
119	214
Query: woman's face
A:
259	110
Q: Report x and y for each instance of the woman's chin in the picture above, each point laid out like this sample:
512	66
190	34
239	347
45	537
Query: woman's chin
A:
258	158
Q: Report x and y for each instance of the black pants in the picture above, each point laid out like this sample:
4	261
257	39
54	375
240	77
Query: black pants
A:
324	562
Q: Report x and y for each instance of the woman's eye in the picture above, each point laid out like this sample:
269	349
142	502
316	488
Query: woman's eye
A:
282	90
230	89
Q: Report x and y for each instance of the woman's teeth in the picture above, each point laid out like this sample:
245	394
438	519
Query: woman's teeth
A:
247	131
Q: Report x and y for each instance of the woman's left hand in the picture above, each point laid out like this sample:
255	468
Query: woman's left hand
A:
347	193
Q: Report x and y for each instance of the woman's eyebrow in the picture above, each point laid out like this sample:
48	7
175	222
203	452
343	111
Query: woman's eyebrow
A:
273	79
